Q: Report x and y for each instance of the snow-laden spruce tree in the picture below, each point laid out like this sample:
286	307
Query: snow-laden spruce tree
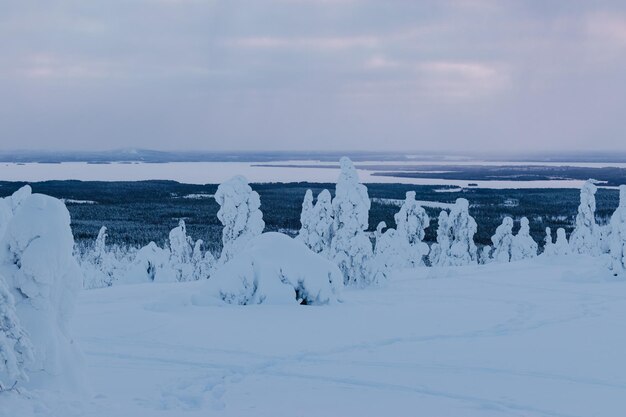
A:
618	235
390	252
181	245
484	255
411	223
604	237
437	250
16	350
239	213
561	246
585	239
99	265
317	222
351	248
463	250
461	228
523	246
307	218
181	252
503	241
37	262
203	264
548	243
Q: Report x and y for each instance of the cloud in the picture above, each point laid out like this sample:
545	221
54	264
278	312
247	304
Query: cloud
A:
232	73
609	29
462	80
320	43
379	62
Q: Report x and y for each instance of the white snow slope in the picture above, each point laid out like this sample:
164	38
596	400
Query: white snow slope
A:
541	337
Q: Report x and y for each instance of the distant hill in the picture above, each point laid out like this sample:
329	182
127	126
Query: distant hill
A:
155	156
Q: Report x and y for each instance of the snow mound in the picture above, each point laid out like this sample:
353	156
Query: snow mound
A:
276	269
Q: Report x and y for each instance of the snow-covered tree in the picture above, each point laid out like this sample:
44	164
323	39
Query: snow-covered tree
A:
456	246
181	245
548	243
585	239
438	251
389	253
484	256
618	235
98	264
239	213
203	264
181	252
307	218
503	240
16	350
523	246
411	223
100	244
37	262
351	248
322	232
317	222
604	234
561	247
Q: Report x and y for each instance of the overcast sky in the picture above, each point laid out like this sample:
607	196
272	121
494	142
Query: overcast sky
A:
313	74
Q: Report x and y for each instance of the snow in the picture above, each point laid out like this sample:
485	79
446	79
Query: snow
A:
72	201
449	190
273	268
423	203
535	338
198	196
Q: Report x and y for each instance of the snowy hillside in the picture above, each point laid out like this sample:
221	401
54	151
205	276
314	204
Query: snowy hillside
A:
340	320
531	338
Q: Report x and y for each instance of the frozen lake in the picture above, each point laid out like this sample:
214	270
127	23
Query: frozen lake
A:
217	172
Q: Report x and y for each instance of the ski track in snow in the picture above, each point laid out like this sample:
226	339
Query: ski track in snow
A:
514	306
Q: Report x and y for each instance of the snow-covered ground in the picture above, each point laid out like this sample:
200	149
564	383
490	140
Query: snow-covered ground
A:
218	172
543	337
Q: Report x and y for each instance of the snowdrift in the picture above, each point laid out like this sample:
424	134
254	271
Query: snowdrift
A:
276	269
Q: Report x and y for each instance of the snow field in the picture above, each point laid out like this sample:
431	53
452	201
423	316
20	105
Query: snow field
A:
531	338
